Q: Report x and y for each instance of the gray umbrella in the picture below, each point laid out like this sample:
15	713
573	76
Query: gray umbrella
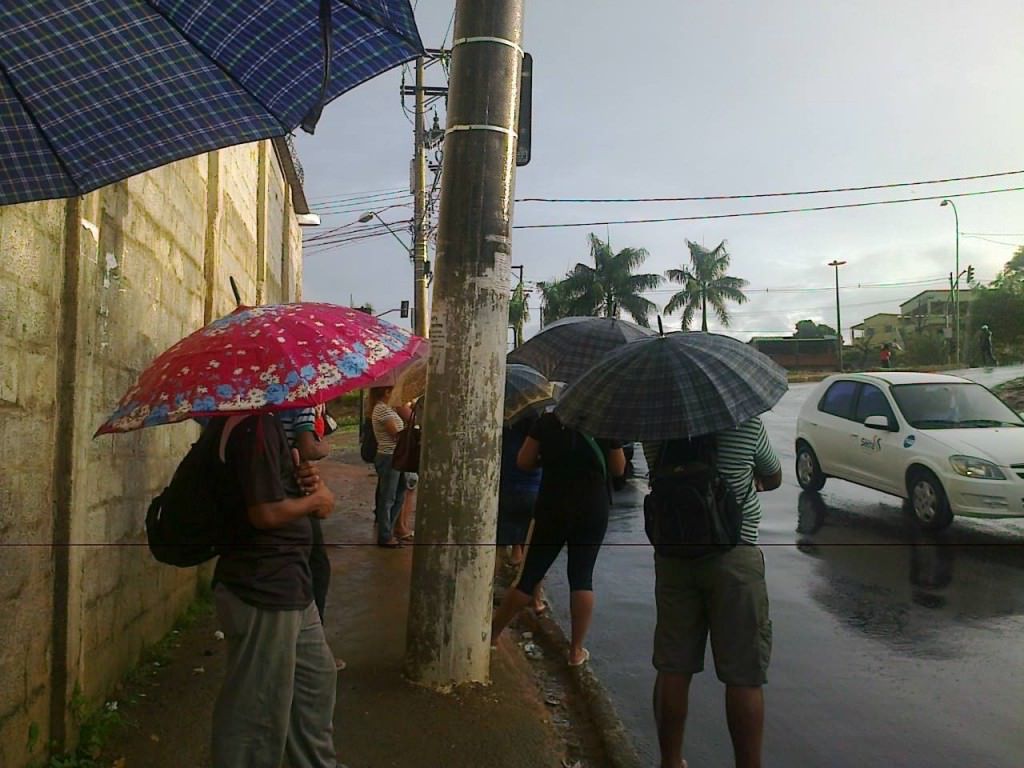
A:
526	392
564	350
672	386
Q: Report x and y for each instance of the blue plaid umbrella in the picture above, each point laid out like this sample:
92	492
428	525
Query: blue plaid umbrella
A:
672	386
94	91
565	350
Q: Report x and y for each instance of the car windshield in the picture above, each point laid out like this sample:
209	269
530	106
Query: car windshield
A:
953	406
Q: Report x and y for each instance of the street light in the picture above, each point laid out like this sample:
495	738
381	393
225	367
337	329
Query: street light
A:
370	215
839	324
956	285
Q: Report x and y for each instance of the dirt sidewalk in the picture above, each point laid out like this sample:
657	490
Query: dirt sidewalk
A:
529	716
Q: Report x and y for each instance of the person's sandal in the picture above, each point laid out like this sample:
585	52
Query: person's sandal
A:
583	659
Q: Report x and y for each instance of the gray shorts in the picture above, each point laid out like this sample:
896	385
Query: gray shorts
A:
725	595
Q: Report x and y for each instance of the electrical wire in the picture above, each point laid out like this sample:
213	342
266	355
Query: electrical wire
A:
349	195
815	289
773	212
989	240
890	185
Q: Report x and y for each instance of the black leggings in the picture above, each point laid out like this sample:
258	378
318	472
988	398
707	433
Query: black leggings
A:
583	533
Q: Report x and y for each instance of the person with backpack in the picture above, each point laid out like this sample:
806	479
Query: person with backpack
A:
703	516
571	509
387	422
279	690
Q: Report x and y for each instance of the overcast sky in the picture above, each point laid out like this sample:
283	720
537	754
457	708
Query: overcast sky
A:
669	98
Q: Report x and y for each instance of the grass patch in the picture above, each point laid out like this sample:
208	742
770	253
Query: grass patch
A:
98	725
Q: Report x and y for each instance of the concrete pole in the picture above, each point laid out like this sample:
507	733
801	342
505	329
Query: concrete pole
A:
448	639
419	246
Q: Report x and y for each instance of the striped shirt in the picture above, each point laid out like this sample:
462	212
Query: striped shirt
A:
382	414
297	420
742	452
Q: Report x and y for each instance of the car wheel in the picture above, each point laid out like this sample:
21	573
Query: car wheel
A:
808	471
928	501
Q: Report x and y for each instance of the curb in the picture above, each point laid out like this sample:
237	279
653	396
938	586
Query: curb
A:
615	738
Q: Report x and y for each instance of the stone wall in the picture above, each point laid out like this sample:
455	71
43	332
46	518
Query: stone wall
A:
91	290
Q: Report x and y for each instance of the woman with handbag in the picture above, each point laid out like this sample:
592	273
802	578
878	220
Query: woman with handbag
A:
387	423
408	445
572	509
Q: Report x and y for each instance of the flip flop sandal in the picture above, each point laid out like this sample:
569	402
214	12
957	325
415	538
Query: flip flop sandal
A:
583	660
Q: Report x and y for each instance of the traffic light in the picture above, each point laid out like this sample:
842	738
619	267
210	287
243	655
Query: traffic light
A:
970	273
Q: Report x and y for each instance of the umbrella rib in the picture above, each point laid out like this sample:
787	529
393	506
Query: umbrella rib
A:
184	36
46	139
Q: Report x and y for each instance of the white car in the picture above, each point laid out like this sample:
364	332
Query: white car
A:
945	444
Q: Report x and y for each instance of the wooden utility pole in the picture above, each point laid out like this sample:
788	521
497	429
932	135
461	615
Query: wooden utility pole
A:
453	564
419	244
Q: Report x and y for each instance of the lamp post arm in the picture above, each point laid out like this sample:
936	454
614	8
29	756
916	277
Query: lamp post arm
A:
393	234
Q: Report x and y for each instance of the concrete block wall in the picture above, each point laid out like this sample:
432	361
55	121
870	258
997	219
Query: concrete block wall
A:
31	276
150	261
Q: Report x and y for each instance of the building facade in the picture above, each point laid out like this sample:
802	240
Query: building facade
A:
91	290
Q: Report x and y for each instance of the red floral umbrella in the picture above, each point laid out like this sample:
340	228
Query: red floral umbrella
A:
266	358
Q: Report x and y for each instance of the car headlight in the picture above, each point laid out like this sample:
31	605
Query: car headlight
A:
979	469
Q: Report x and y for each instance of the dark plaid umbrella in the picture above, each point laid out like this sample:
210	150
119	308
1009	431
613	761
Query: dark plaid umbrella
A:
94	91
673	386
526	392
565	350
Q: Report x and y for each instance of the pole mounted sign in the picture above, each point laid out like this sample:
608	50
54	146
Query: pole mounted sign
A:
525	111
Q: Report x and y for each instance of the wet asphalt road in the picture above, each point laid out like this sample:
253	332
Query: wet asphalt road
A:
891	648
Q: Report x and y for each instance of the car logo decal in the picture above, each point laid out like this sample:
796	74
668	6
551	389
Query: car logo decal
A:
874	445
909	441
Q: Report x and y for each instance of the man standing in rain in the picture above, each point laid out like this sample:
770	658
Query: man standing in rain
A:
724	594
985	342
279	688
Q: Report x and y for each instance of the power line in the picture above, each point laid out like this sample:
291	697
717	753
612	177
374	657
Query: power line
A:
992	234
891	185
774	212
815	289
989	240
363	193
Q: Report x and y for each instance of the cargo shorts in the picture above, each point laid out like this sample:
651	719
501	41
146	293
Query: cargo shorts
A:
725	595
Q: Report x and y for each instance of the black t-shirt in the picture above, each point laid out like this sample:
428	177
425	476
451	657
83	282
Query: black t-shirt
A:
575	474
264	568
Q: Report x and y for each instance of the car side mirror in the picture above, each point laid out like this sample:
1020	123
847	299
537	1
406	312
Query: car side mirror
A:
879	422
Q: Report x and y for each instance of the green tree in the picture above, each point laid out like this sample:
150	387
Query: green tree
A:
1000	306
705	282
610	286
808	329
554	301
518	312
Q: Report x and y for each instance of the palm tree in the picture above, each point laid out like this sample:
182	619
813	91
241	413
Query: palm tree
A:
554	303
610	286
705	282
518	312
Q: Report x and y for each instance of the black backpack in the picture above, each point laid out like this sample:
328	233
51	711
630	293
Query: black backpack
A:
368	442
187	521
691	511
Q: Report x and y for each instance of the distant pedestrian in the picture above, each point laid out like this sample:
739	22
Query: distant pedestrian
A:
387	423
278	697
571	509
885	355
724	594
985	343
403	526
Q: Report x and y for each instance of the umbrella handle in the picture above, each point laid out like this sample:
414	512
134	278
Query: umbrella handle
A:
234	290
